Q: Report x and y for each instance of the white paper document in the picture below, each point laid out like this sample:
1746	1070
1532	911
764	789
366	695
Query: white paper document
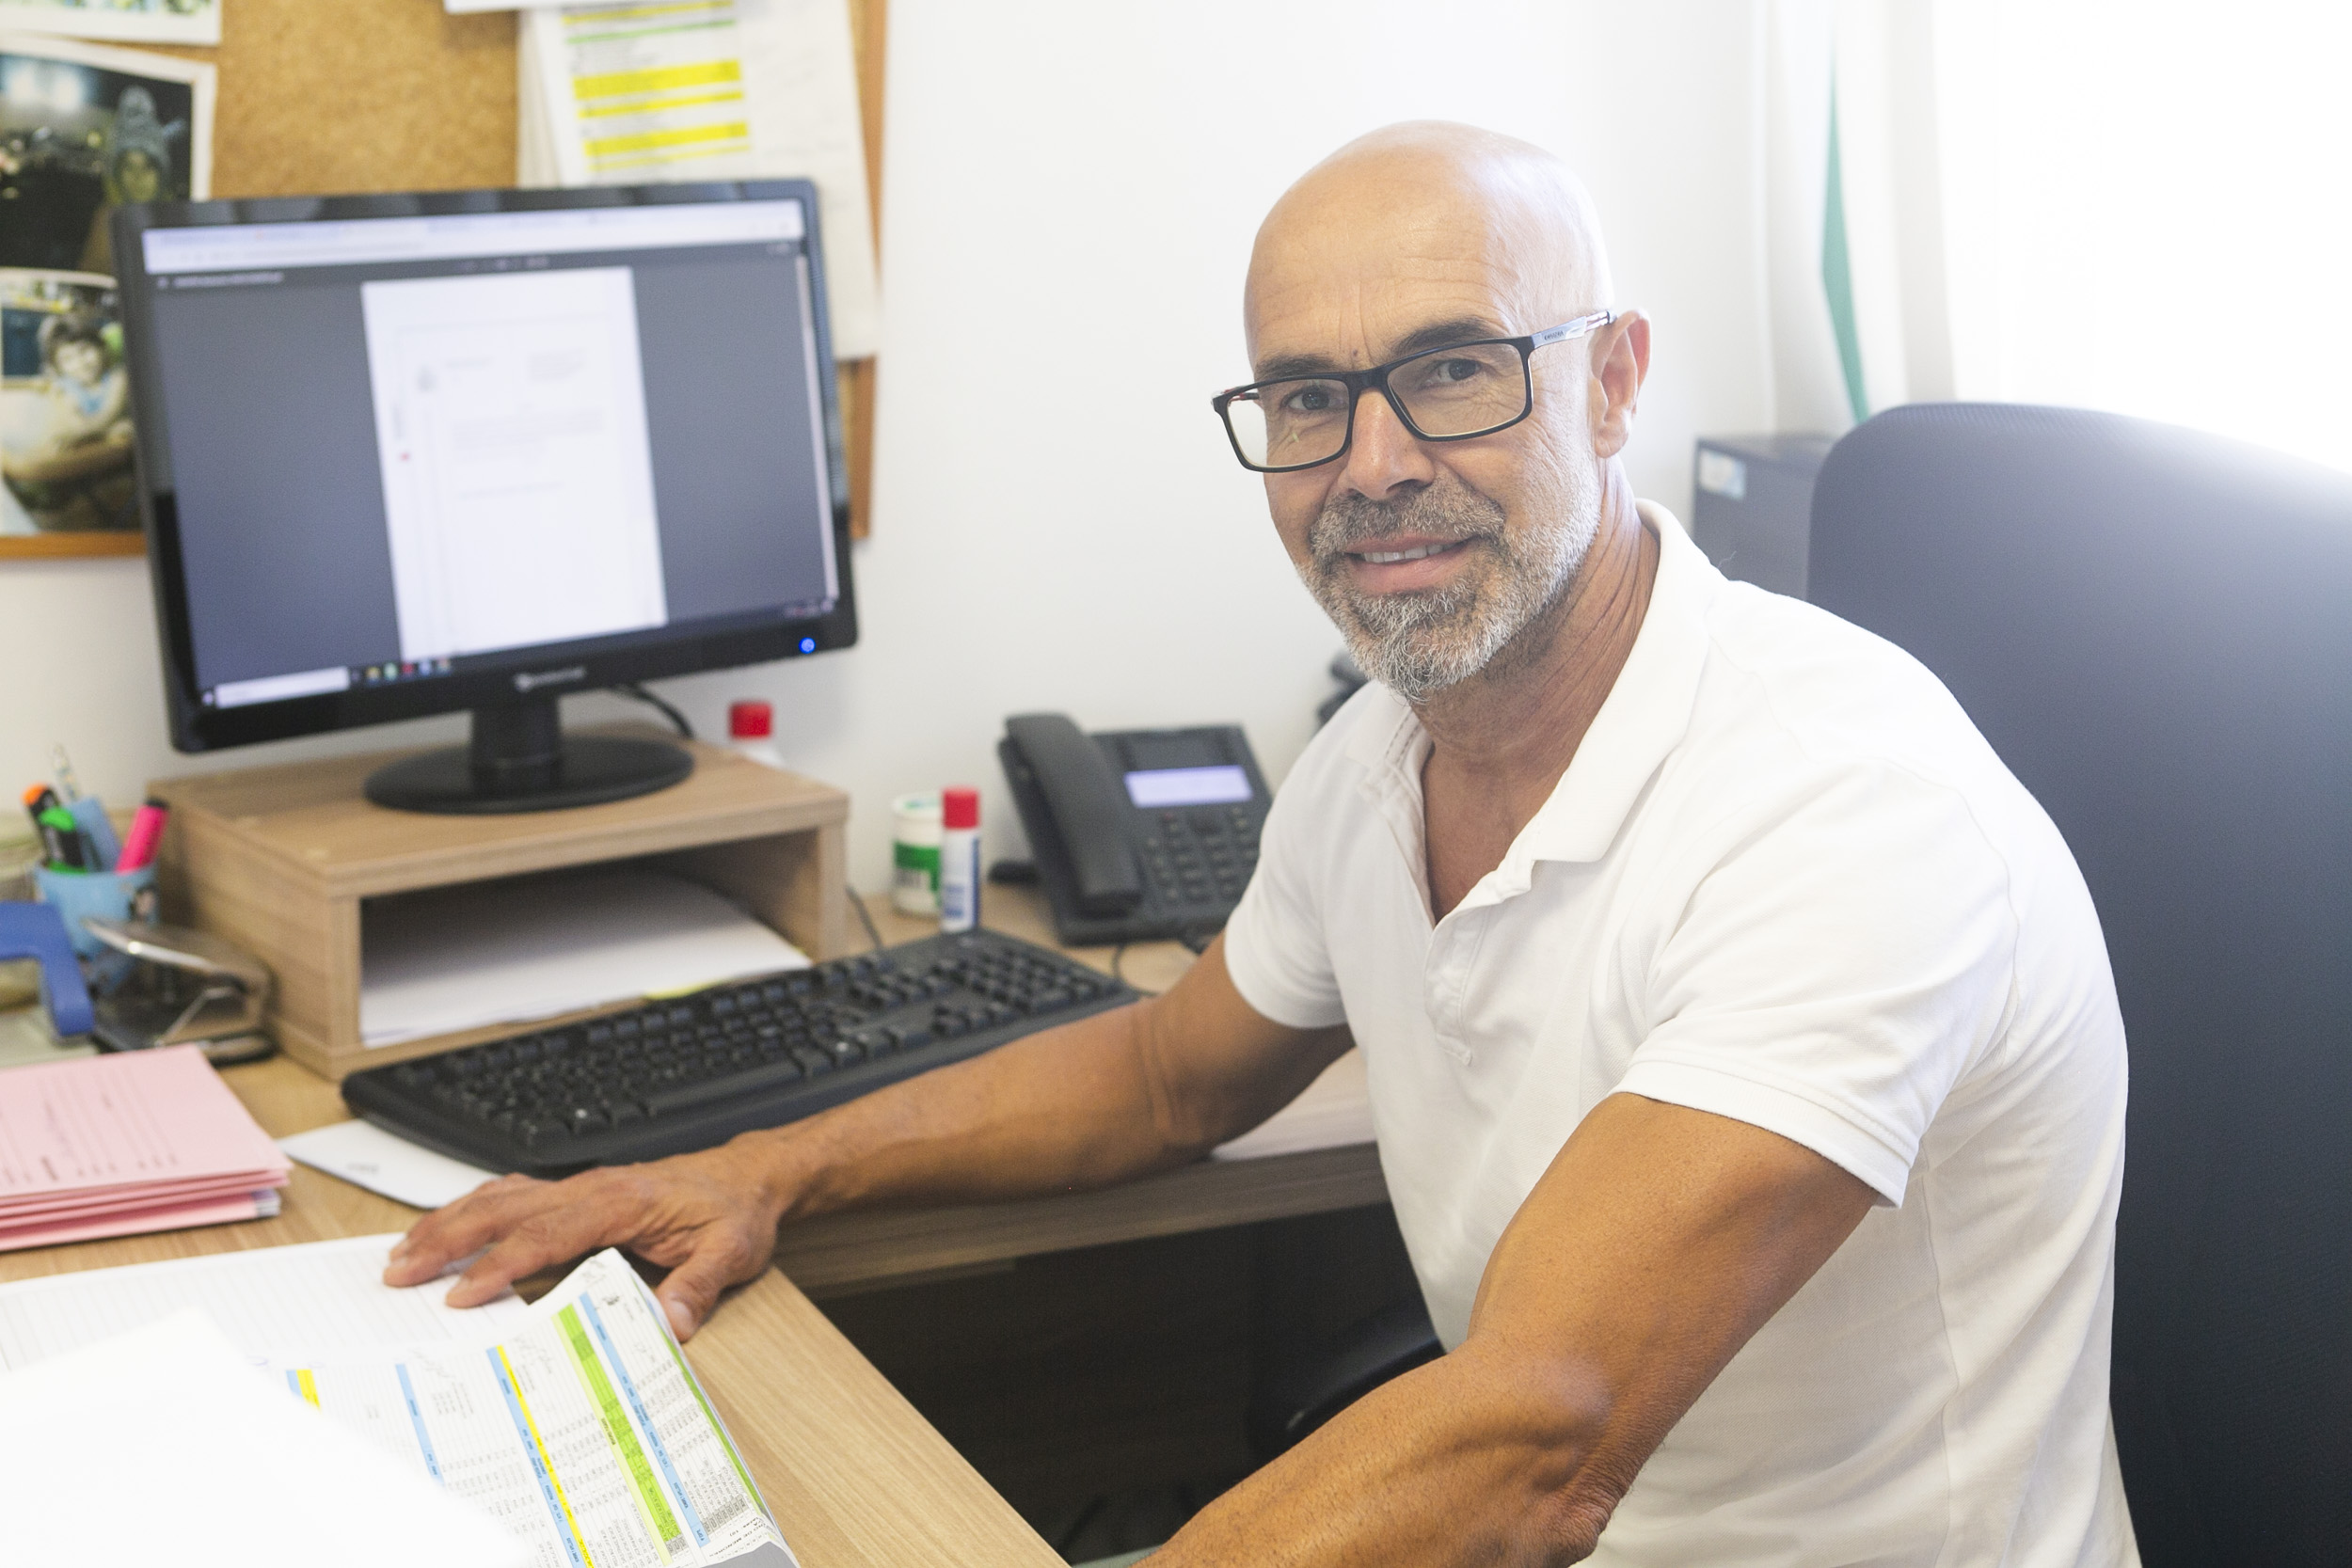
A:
582	1430
462	958
1332	1112
273	1302
366	1156
517	467
117	21
163	1445
709	89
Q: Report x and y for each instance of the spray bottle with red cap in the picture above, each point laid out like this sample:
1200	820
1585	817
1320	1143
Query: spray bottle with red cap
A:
750	732
958	858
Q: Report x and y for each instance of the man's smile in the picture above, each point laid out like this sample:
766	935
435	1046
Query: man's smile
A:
1401	563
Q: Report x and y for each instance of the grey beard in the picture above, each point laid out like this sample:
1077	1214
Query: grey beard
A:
1419	644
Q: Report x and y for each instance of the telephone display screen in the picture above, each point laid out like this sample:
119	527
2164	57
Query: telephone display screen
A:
1154	788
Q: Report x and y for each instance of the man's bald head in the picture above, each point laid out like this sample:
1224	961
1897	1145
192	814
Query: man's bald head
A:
1429	202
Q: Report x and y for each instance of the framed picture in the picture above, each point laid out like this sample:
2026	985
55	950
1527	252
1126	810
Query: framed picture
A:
122	21
65	485
81	130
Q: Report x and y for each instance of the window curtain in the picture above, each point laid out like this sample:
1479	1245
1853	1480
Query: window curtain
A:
2138	205
1854	209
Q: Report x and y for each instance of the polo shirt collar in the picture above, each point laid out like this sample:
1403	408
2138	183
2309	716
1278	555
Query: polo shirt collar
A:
1646	715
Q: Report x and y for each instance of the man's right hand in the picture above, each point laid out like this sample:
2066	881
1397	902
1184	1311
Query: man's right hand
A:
709	1218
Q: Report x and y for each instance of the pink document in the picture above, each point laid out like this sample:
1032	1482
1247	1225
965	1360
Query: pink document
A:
145	1140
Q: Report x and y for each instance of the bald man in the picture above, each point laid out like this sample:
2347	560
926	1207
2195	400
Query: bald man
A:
1746	1069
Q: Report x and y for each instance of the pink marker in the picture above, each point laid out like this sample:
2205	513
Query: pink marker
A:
147	831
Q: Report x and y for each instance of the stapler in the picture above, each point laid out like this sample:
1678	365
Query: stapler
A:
171	985
37	932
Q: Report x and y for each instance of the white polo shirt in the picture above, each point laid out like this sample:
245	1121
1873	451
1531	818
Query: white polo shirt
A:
1784	881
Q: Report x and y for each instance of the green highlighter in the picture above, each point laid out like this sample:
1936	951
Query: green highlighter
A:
62	839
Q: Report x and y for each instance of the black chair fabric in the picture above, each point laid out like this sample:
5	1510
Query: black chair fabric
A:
2154	629
1297	1395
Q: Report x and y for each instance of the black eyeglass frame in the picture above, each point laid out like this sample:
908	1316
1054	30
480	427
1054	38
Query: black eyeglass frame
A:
1376	379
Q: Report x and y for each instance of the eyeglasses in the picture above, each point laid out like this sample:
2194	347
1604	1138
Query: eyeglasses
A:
1439	394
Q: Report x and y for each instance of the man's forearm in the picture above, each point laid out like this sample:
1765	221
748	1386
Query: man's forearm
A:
1089	1104
1473	1459
1071	1107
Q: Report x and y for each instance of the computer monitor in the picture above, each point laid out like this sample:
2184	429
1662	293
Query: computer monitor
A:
404	455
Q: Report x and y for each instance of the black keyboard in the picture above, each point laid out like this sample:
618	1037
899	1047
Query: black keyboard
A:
691	1071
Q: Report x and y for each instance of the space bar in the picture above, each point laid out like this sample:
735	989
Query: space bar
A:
751	1081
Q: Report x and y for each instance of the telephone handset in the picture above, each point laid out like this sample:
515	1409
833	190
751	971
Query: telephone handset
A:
1137	833
1083	809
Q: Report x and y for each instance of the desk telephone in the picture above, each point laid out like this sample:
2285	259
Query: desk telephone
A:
1138	834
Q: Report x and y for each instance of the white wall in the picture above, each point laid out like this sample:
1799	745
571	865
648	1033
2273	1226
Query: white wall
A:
1071	191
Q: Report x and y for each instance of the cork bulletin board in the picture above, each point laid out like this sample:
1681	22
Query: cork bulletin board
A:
333	97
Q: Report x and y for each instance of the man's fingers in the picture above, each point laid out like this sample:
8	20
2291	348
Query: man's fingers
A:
557	1233
692	1288
464	1226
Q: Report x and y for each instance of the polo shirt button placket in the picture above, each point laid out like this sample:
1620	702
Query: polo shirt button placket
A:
1442	980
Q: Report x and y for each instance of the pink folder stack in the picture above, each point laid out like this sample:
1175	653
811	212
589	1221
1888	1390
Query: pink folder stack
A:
115	1146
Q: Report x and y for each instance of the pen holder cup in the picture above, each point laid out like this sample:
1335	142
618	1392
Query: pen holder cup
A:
107	894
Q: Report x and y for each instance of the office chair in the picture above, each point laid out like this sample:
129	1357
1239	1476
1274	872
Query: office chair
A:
2154	629
1296	1394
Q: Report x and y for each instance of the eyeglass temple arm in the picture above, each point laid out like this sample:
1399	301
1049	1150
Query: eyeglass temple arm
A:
1576	329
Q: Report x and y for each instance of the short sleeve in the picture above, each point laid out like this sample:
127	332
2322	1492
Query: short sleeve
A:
1275	946
1836	972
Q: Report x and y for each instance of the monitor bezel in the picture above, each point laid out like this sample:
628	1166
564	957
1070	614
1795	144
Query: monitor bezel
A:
486	680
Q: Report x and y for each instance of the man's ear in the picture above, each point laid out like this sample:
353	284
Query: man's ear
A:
1620	361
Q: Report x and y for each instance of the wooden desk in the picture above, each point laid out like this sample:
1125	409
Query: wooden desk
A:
855	1474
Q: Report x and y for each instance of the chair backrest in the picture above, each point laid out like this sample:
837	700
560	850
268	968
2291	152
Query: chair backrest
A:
2154	629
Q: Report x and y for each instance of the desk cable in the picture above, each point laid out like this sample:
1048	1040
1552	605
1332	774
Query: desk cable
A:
637	690
873	934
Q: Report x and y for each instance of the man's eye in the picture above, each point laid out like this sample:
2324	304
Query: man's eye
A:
1458	370
1311	400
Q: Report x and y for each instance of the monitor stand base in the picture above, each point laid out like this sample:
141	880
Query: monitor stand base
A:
520	760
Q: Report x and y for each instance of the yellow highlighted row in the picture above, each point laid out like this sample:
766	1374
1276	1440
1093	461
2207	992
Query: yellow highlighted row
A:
649	141
614	84
652	105
547	1464
661	1523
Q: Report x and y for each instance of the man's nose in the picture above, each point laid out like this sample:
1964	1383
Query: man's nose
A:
1382	455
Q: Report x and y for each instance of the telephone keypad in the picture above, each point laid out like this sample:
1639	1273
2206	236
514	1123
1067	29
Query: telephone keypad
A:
1199	858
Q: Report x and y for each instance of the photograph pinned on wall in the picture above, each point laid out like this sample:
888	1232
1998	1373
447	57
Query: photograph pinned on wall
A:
84	129
120	21
66	485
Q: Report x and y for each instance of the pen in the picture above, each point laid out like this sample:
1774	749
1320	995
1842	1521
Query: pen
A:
68	785
98	833
147	831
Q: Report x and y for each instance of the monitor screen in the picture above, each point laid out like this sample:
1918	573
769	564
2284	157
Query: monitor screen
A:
406	460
